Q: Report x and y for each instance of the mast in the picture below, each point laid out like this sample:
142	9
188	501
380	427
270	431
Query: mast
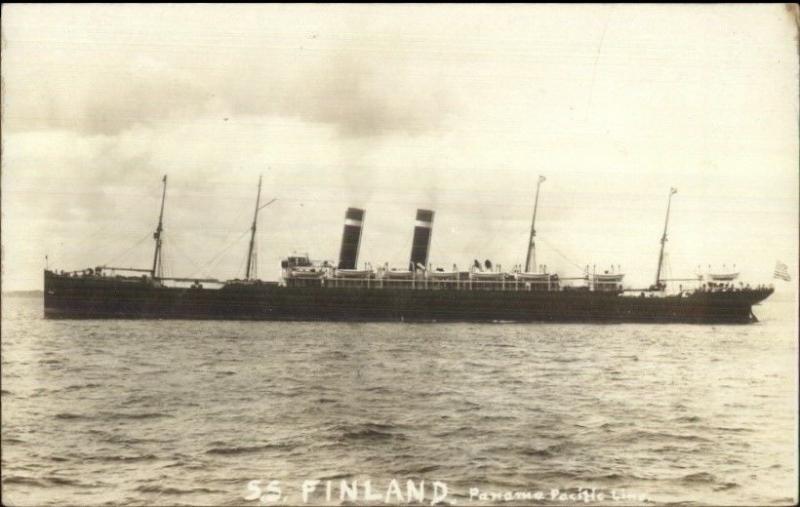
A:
157	271
531	257
251	267
672	191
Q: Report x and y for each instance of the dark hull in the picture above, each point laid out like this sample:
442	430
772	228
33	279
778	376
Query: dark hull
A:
98	297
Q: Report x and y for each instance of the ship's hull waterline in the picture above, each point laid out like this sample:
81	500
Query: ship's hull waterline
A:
108	297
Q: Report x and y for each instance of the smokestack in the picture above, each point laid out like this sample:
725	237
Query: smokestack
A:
351	238
423	229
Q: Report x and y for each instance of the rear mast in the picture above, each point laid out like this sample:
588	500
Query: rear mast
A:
672	191
157	271
251	268
531	257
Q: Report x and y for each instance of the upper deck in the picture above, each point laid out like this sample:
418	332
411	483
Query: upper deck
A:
299	271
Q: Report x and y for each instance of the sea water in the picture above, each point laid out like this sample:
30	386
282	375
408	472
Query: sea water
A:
263	413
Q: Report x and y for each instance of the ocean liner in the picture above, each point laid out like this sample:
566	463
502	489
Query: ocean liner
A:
311	290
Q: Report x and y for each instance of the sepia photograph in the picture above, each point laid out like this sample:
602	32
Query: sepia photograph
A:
399	254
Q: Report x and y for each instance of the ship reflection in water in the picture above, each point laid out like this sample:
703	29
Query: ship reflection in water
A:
324	291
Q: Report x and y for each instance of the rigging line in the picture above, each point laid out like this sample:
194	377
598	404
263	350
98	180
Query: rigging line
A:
212	262
562	255
597	59
173	246
126	252
238	219
127	211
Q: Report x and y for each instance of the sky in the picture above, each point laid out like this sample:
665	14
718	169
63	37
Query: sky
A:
455	108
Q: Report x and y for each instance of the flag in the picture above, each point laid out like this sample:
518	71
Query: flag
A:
542	179
673	190
782	271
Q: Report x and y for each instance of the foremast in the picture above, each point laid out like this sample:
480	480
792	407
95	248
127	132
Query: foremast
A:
659	285
530	259
158	268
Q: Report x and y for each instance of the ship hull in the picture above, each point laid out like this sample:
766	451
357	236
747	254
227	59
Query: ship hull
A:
101	297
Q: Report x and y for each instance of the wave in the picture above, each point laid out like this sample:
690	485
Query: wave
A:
334	477
727	486
369	432
733	430
71	416
144	415
126	459
494	417
656	436
121	439
539	453
687	419
62	481
377	389
45	482
422	469
110	415
238	450
76	387
26	481
703	477
549	451
456	431
175	491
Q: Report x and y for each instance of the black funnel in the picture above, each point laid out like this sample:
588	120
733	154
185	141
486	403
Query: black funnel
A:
351	238
420	245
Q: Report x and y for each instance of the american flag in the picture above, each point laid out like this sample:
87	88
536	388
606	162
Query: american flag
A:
782	271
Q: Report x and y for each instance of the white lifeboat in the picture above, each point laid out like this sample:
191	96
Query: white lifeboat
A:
488	276
353	273
723	277
306	273
608	277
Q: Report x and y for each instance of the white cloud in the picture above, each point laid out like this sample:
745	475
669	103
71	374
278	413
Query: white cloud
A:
456	108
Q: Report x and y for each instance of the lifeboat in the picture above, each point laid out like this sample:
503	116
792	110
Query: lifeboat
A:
487	277
398	275
353	273
608	277
723	277
306	273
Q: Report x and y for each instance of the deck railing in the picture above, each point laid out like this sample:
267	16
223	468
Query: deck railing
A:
426	284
